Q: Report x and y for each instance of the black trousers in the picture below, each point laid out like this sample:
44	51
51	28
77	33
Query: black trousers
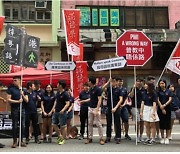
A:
15	114
117	123
34	118
83	120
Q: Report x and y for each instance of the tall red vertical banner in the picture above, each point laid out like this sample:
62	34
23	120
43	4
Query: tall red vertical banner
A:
79	78
71	26
1	23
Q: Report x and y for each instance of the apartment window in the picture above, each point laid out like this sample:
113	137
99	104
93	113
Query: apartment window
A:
123	17
26	11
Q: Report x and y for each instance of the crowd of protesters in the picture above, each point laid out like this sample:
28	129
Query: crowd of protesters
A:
44	111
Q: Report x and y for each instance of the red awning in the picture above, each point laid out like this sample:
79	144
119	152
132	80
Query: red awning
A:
31	74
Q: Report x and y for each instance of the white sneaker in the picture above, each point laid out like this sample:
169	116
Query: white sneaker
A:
158	137
162	141
141	139
166	141
138	140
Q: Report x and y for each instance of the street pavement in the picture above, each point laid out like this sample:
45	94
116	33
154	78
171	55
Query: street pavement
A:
75	145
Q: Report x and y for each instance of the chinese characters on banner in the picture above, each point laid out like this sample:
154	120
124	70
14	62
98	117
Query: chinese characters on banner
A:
79	78
135	46
1	23
71	26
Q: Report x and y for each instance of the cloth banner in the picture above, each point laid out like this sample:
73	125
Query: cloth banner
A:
79	78
79	57
174	62
1	23
71	27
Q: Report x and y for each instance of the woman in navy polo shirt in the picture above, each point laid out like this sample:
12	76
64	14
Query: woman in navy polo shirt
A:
175	104
47	105
164	110
148	112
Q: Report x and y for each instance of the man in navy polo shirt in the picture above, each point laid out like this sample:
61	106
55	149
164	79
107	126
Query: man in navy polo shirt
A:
15	97
94	111
60	115
31	112
113	107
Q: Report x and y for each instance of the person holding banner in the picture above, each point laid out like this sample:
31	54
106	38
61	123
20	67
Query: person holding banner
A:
164	110
59	117
15	96
136	111
84	110
4	101
148	112
94	110
117	100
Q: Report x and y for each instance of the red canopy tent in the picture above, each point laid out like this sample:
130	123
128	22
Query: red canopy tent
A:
31	74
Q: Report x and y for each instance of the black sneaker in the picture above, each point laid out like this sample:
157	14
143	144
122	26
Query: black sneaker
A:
2	145
27	140
37	141
150	142
127	137
49	140
108	139
146	141
80	137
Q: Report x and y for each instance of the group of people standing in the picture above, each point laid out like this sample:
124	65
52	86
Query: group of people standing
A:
153	107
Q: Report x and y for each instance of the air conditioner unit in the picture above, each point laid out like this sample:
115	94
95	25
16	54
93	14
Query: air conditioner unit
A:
40	4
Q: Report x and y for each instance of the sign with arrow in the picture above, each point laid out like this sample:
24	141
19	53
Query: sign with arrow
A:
108	64
60	66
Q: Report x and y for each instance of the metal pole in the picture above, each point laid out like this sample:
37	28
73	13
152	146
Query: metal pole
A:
111	99
23	35
135	95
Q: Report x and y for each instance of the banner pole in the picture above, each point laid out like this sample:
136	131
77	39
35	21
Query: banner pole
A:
135	95
111	98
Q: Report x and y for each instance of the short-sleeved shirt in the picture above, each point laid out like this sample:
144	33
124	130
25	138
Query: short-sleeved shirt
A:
30	107
95	92
139	93
148	100
164	96
83	96
15	95
40	93
116	93
48	102
71	101
175	103
61	100
124	93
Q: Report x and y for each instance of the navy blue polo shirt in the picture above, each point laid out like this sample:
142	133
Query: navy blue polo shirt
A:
61	100
71	101
178	92
164	96
83	96
30	107
148	100
48	102
15	95
124	93
40	93
139	93
175	103
116	93
94	93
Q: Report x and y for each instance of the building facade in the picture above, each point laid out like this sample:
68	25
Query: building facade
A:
40	19
103	21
